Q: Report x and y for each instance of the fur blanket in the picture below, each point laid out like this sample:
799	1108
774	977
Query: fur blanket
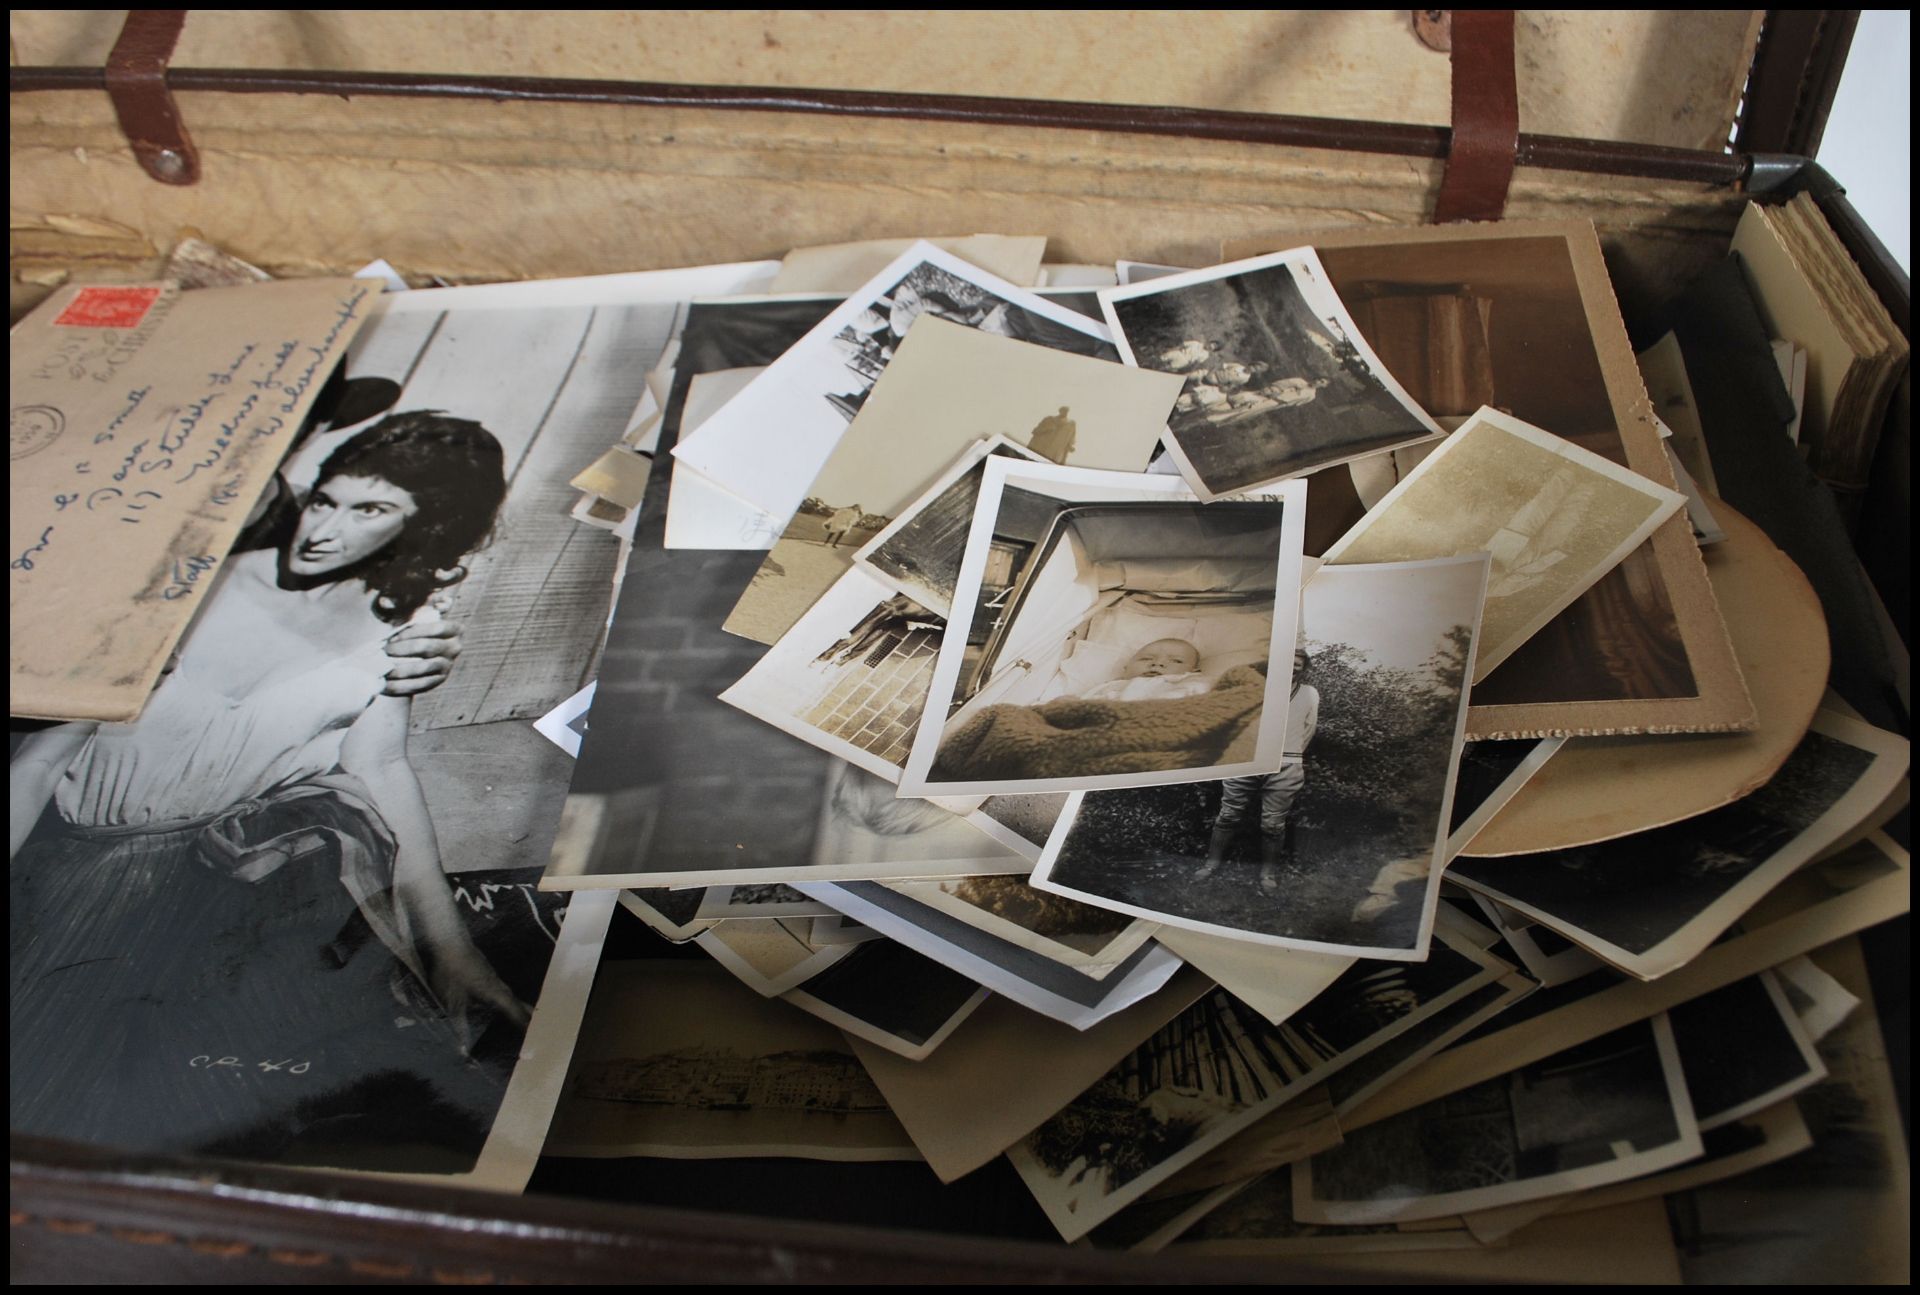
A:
1071	737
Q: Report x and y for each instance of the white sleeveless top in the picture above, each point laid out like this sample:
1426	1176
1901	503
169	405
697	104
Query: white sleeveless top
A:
197	750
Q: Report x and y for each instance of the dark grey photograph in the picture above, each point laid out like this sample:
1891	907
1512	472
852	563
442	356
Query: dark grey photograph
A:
294	904
1651	902
1611	1109
1742	1048
1340	849
1280	381
889	995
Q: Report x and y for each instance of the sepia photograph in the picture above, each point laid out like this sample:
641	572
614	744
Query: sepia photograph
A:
671	914
770	957
1554	517
1110	632
948	388
297	897
867	831
1065	930
678	1060
1213	1072
890	996
770	441
1279	381
1652	902
1340	851
1461	315
1742	1049
1257	1222
1611	1109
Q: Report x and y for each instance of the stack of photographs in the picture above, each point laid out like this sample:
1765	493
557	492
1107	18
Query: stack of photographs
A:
951	672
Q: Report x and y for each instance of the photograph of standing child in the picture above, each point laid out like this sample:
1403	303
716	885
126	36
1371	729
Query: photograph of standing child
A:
1274	792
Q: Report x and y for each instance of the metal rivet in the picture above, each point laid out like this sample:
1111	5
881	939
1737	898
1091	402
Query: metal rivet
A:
170	163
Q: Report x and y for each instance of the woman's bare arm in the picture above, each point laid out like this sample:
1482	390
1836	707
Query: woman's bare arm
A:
35	772
375	752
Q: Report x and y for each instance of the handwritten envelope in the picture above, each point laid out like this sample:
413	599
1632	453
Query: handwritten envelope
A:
145	422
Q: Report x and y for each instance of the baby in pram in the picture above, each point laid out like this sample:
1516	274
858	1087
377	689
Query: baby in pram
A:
1163	670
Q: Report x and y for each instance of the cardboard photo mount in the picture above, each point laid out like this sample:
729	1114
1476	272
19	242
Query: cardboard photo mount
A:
1722	703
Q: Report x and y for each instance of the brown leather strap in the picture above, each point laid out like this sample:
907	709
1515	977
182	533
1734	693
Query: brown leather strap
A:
1486	118
137	84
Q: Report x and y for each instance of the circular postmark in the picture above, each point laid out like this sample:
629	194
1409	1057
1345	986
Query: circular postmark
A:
32	428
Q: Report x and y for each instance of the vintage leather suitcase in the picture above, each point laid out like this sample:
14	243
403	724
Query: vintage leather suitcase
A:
491	146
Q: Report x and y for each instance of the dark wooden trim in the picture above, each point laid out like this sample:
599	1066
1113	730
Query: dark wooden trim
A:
1796	72
1546	151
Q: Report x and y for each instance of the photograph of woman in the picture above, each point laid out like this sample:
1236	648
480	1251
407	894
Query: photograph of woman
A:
231	931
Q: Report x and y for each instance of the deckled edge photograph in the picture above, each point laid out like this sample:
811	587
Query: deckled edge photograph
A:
1254	364
1010	554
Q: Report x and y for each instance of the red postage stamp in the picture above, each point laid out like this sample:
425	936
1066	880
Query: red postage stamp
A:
104	307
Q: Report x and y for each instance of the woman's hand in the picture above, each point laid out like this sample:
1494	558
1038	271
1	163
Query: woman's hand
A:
423	656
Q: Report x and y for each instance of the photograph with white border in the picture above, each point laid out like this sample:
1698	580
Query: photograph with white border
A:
1341	850
1610	1109
1034	981
1555	518
1279	380
771	440
1742	1049
1065	930
1652	902
891	996
1109	631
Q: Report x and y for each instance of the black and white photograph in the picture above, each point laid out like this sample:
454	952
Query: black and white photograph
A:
1611	1109
1279	381
1110	632
1213	1072
1036	982
1066	930
890	996
726	344
1742	1049
770	957
919	551
767	443
297	897
949	387
850	676
687	790
1652	902
1021	823
1352	1085
867	831
1549	957
679	1061
1340	851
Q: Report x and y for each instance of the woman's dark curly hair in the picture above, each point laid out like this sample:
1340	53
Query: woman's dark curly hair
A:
455	471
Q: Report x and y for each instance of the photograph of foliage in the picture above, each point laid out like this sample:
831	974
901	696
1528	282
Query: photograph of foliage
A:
1376	777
